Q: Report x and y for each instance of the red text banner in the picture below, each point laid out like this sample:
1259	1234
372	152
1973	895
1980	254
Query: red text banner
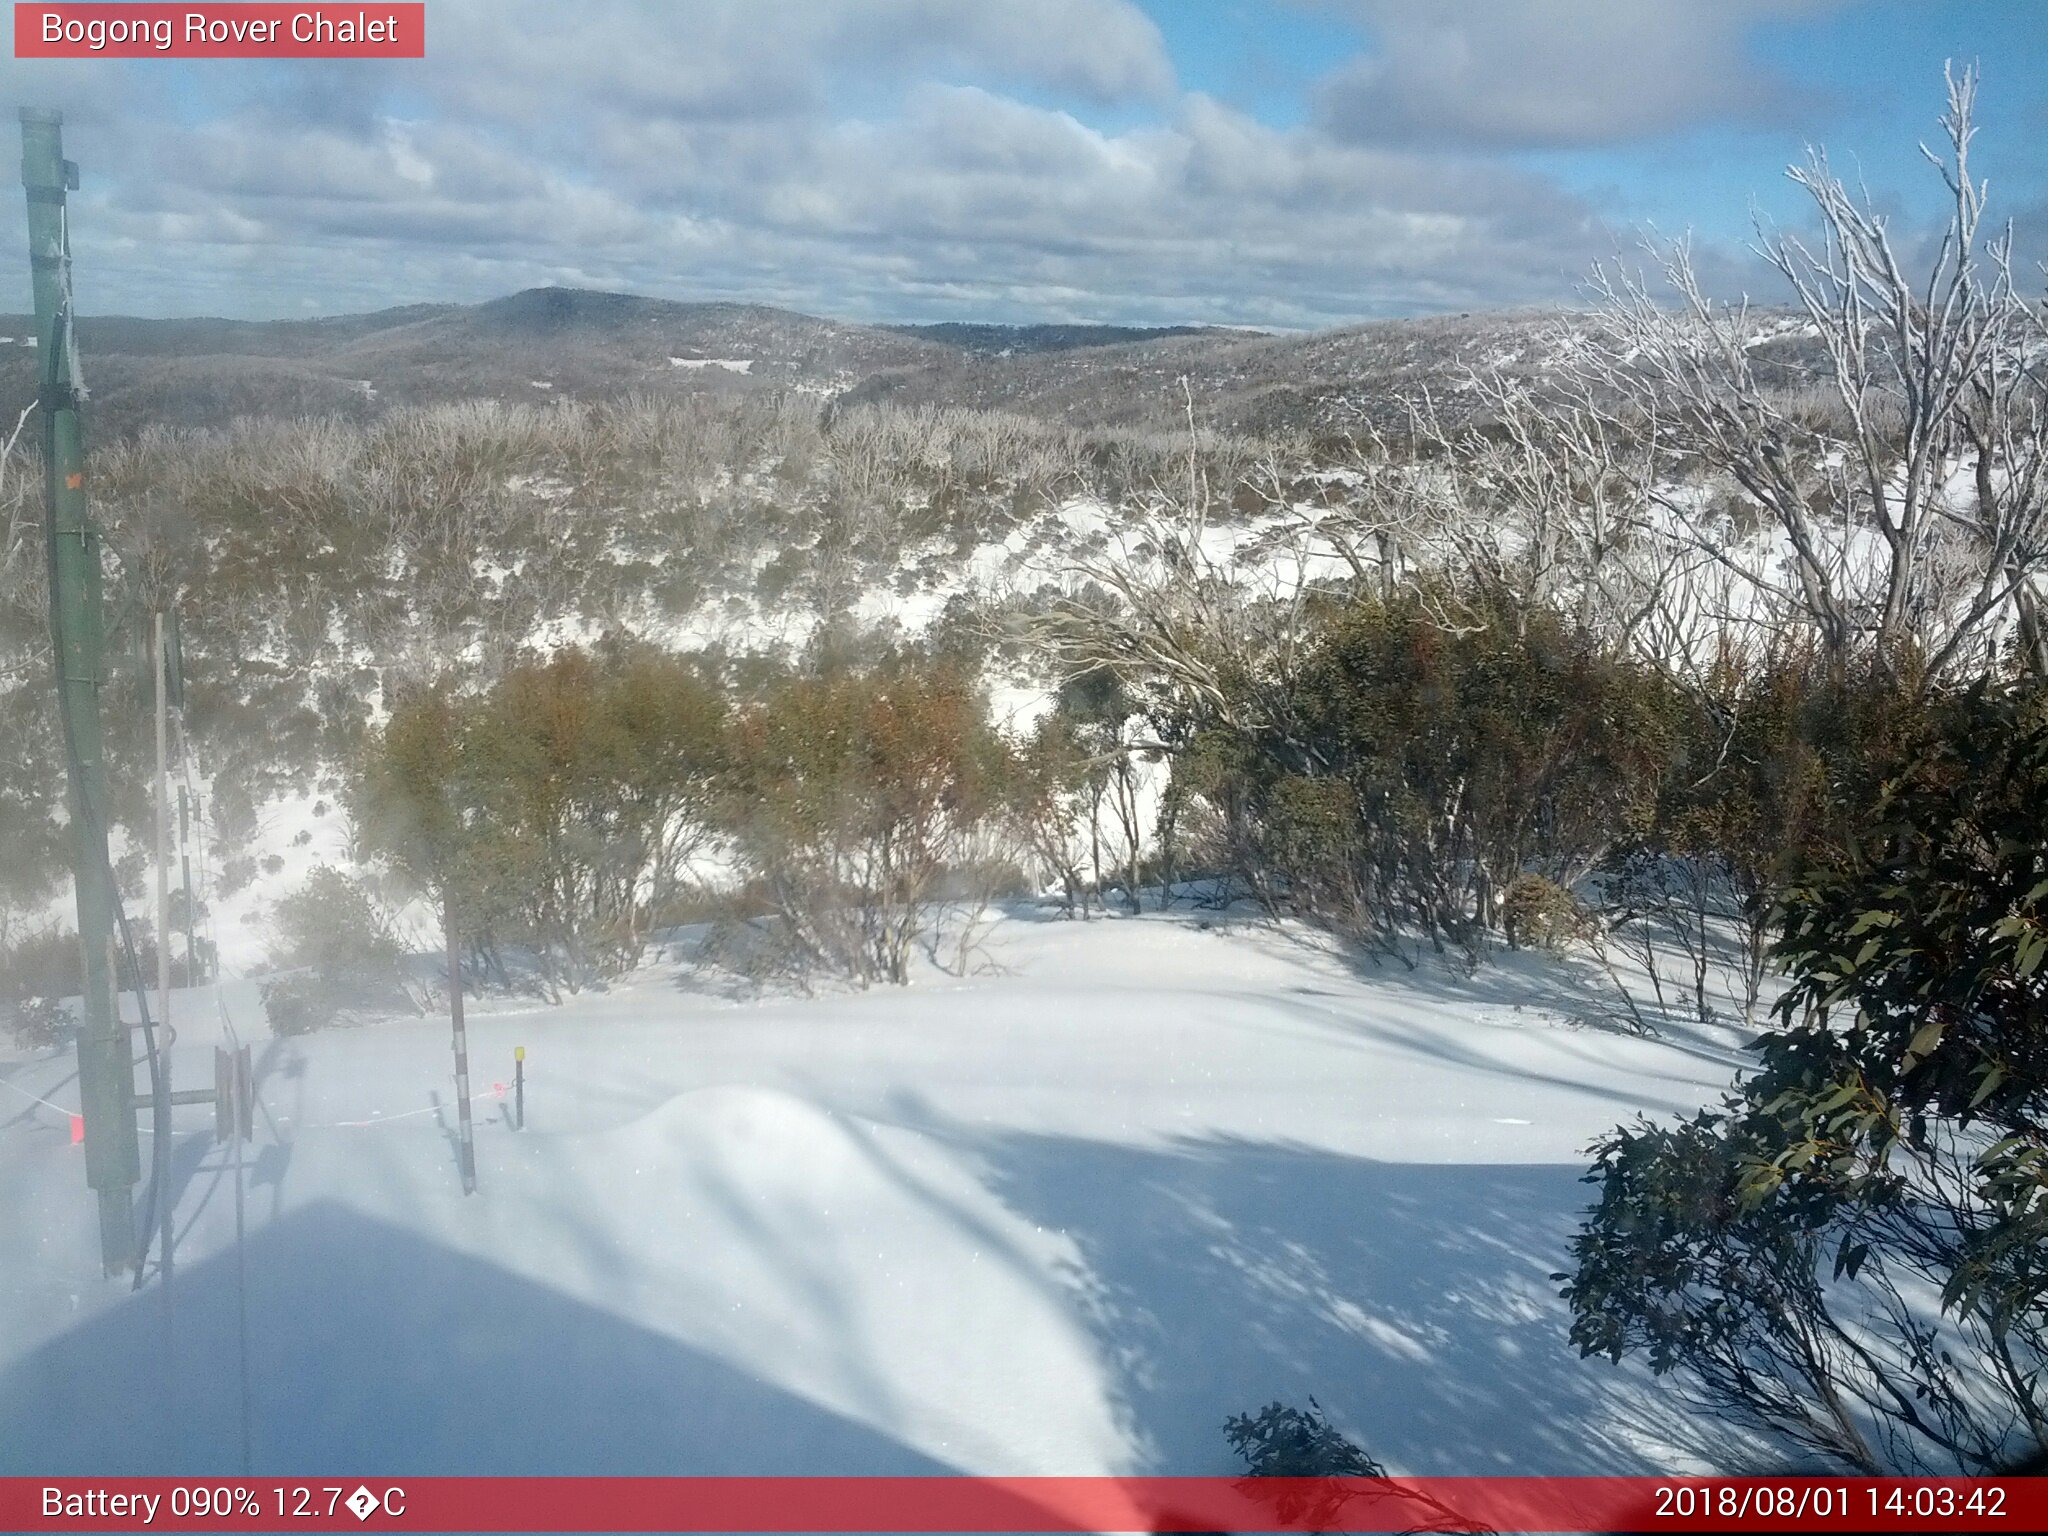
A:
220	31
355	1502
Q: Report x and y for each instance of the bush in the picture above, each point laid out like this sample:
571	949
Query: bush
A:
344	953
1783	765
1541	914
1279	1441
855	797
39	1023
1304	1448
1850	1253
299	1005
41	964
1422	769
560	809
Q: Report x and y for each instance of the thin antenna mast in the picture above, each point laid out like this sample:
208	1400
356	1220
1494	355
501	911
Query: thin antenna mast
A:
106	1071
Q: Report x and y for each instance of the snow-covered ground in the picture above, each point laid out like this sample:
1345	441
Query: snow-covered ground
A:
1060	1217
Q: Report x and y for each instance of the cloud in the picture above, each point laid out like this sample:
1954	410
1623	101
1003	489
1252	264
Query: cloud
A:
967	197
740	59
1553	73
876	159
960	202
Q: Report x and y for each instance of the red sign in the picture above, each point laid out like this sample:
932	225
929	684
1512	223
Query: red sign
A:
255	31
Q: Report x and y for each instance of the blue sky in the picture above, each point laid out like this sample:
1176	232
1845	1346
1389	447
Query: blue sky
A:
1869	77
1261	56
1288	163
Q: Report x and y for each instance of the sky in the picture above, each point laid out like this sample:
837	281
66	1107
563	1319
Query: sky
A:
1288	164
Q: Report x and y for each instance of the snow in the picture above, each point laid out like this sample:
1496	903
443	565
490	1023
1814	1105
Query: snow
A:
1061	1217
729	364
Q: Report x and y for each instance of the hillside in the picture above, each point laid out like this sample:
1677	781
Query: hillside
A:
1323	382
565	343
1242	382
546	342
1014	340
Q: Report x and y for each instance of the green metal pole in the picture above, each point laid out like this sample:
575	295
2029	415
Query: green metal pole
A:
106	1067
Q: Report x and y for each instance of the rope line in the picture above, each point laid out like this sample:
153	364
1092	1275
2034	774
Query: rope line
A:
222	973
431	1109
59	1108
335	1125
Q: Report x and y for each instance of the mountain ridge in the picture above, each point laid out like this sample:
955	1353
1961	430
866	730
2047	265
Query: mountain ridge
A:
556	343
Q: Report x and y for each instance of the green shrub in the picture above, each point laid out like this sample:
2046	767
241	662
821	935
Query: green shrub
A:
1536	913
860	802
1279	1441
1307	1453
39	1023
1783	764
344	954
1849	1253
299	1005
559	809
40	964
1420	769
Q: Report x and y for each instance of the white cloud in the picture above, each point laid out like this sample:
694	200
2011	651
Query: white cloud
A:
888	159
1513	73
740	59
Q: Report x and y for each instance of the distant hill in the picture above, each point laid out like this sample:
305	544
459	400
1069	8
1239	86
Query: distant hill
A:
120	335
1326	382
1013	340
568	343
540	344
1242	381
